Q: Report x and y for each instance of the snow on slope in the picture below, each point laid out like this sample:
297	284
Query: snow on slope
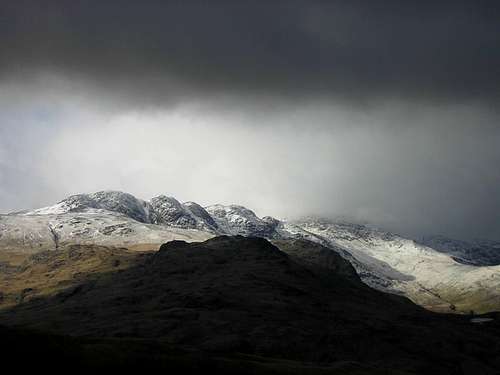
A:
33	233
385	261
431	278
373	272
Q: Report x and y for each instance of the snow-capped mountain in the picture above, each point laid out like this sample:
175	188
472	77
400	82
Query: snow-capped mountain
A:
114	201
438	274
108	218
35	233
240	220
425	275
165	210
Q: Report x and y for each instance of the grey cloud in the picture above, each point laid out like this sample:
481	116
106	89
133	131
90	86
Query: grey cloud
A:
350	50
384	112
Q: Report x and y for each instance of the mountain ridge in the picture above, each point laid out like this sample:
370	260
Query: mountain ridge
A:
433	278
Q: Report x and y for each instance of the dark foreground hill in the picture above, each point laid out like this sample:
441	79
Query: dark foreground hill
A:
302	308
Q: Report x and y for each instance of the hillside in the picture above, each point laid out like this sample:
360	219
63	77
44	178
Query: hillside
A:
242	295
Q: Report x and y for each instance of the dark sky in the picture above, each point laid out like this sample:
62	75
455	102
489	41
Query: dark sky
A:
378	111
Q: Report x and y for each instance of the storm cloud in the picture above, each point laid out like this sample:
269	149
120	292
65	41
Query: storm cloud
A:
386	112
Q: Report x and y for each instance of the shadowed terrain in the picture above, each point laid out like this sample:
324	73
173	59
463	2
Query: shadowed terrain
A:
232	295
57	354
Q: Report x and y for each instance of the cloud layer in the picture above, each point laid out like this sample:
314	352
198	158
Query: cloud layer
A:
351	50
386	112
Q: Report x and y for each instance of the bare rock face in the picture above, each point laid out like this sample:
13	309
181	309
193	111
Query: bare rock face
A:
199	212
169	211
239	220
123	203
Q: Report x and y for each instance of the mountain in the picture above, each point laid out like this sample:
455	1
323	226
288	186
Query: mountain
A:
301	302
108	218
31	233
114	201
448	276
429	277
476	253
239	220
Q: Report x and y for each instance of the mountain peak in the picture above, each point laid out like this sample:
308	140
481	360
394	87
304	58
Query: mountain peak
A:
235	219
169	211
110	200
